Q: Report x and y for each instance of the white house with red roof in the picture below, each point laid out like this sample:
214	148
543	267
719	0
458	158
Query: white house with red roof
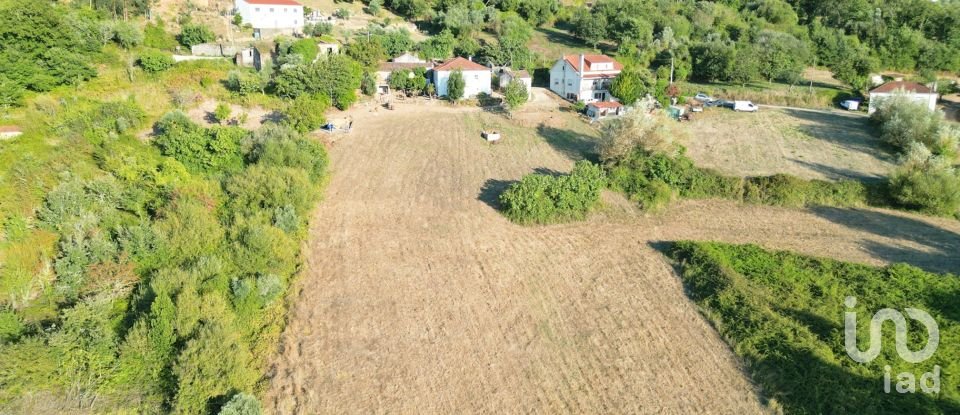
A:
911	90
272	15
584	77
476	77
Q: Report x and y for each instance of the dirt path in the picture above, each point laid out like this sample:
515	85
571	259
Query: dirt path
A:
420	298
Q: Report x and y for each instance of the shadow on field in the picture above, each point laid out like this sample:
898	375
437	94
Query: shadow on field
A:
942	246
852	132
836	173
571	144
491	190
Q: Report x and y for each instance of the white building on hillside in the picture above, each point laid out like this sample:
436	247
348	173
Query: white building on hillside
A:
271	16
584	77
476	77
912	90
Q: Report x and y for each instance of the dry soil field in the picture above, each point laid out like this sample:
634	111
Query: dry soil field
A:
809	144
419	297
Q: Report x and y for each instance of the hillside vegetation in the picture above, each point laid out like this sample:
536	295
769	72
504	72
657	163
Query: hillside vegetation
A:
783	314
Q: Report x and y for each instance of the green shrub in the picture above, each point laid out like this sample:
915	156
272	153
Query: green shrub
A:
306	112
194	34
931	186
260	189
540	198
634	174
155	61
242	404
209	150
125	34
10	326
306	48
280	146
245	82
902	121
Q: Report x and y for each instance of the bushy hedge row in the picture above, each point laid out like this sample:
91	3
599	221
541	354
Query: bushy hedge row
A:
784	315
654	178
170	267
542	198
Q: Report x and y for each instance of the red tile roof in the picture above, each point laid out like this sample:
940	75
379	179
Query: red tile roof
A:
10	129
574	61
461	64
273	2
606	104
911	87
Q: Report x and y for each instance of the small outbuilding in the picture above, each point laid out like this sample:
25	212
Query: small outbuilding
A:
603	109
476	77
10	131
913	91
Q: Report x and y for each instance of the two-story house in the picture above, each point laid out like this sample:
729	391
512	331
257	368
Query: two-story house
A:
269	17
584	77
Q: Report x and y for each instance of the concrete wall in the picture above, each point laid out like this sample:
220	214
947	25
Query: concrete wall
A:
475	82
271	16
215	49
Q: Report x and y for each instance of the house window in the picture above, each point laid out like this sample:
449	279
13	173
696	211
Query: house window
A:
271	10
256	9
598	96
571	95
476	76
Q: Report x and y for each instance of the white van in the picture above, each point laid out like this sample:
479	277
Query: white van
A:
745	106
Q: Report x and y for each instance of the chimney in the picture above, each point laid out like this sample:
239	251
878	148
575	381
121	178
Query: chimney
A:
581	64
470	58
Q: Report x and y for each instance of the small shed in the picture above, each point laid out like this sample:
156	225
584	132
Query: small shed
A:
603	109
249	57
913	91
10	131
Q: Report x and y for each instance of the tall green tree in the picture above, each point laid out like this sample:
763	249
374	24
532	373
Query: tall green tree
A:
456	85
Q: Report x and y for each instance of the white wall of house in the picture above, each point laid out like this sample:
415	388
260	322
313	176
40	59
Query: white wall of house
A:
567	82
564	80
876	98
271	16
475	82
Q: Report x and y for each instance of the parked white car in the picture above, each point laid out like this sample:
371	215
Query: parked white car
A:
745	106
703	97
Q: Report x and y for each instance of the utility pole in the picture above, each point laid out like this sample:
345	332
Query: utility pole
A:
671	68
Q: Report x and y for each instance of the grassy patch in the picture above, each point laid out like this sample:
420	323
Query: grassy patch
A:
783	314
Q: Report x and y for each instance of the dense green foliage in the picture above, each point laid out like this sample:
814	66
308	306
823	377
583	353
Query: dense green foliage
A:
543	198
245	82
337	77
45	46
902	122
926	179
169	266
456	85
305	113
155	61
515	95
783	314
194	34
642	176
